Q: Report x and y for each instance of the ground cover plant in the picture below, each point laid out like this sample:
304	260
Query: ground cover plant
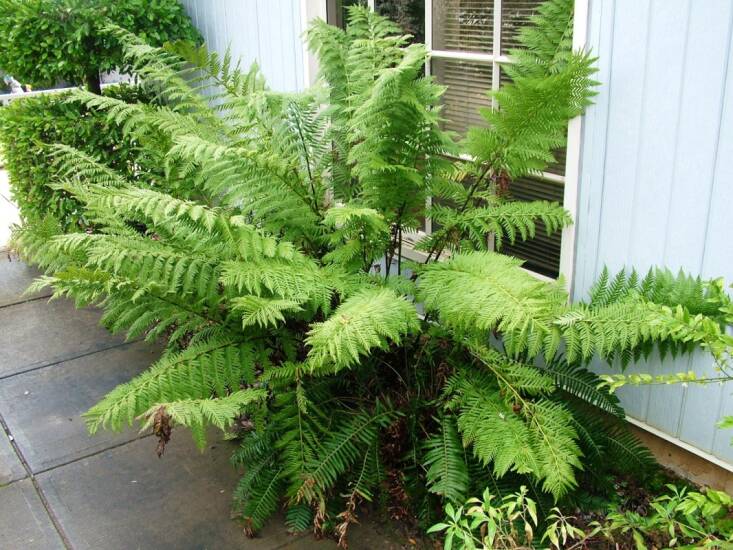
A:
410	384
677	517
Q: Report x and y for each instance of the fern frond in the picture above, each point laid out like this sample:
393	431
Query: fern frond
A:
445	461
264	312
299	518
580	382
509	221
209	368
258	493
341	448
485	291
527	436
75	164
296	280
367	320
197	414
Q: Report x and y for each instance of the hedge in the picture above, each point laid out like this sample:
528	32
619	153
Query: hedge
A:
28	124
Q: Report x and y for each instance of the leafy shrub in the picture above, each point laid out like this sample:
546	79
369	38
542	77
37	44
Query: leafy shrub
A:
47	41
277	326
29	125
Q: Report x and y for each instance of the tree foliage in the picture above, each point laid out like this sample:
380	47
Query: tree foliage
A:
48	41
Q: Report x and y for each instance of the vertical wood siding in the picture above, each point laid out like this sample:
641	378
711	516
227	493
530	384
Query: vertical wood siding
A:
656	184
266	31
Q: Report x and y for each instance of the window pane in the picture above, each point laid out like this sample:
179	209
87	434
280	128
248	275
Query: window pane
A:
542	254
515	14
408	14
558	167
468	84
465	25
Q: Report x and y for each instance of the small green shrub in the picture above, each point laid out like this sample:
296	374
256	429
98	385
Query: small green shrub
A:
27	125
45	41
679	518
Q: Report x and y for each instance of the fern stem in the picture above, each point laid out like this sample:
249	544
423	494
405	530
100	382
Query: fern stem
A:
439	245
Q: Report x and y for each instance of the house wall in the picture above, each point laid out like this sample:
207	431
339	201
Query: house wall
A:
266	31
656	184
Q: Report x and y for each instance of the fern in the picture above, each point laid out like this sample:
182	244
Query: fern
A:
340	450
257	494
197	414
257	310
539	439
486	291
261	254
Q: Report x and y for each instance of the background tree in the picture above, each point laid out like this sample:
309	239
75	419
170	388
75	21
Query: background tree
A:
47	41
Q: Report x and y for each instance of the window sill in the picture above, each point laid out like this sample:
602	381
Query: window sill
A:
409	252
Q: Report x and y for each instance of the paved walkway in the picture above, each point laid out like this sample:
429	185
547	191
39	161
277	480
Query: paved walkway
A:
61	488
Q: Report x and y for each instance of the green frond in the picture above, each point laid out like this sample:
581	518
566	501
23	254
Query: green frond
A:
366	477
197	414
296	280
202	370
514	433
490	427
510	221
299	518
77	165
445	461
662	287
369	319
632	326
607	439
223	69
580	382
358	236
484	291
521	377
32	243
258	493
261	311
548	85
348	440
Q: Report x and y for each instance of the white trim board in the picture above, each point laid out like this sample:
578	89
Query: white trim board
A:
572	161
681	444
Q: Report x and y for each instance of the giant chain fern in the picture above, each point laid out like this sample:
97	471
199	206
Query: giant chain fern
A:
262	278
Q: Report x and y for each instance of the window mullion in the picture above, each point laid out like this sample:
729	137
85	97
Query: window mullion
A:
495	68
428	72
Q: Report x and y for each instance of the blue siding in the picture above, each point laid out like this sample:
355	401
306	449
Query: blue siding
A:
656	184
266	31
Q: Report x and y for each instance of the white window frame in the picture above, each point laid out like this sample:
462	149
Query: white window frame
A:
573	160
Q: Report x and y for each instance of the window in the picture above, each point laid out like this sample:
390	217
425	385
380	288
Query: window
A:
469	40
336	10
408	14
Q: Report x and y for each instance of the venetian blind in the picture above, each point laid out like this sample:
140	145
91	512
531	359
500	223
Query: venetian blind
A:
541	254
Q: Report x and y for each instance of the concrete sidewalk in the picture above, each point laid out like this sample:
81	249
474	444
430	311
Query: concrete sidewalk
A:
61	488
